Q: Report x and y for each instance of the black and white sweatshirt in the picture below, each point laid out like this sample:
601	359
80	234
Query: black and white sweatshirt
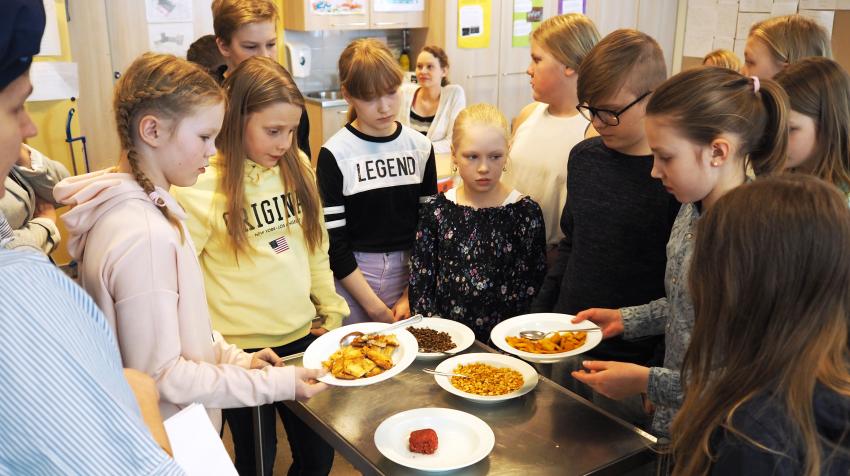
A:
371	188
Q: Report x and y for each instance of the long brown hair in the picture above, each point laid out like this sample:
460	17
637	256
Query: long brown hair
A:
791	38
769	280
230	15
254	85
367	70
164	86
707	101
820	88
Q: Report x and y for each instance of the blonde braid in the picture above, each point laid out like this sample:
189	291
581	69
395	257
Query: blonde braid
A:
168	87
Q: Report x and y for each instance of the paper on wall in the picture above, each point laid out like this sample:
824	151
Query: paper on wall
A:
54	80
824	18
727	19
196	445
473	26
522	6
573	6
173	38
398	5
747	20
50	43
781	8
697	45
724	44
818	4
756	6
701	20
168	11
842	4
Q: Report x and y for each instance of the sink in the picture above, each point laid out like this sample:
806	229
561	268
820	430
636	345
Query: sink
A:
325	95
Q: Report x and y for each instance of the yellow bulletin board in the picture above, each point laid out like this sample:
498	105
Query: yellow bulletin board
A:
473	23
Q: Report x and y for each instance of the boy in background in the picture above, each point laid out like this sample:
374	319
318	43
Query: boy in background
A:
617	218
204	52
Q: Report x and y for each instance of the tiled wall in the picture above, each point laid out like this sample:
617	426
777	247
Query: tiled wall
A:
326	47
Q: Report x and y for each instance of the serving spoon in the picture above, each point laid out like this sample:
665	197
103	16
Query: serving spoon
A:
537	335
443	374
349	338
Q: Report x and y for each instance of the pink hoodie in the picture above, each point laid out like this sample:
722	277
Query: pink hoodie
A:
150	287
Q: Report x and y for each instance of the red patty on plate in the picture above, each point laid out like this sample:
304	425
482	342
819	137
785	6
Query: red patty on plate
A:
423	441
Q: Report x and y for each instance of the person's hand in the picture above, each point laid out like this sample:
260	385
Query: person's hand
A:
306	385
45	209
318	331
264	358
24	158
316	327
401	308
381	313
610	320
615	380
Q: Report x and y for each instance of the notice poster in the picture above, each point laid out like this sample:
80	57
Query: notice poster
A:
571	6
172	38
473	23
168	11
527	16
50	44
337	7
398	5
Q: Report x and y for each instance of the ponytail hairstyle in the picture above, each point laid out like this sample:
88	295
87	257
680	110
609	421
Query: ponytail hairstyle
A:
164	86
707	101
481	114
763	327
442	58
367	70
258	83
723	59
568	38
230	15
820	89
791	38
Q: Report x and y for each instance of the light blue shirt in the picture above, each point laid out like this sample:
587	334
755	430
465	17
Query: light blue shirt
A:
65	407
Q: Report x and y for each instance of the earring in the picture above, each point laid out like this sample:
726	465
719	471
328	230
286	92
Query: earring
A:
505	168
454	168
714	164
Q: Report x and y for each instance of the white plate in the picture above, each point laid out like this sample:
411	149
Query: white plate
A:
462	439
323	347
546	322
461	335
529	375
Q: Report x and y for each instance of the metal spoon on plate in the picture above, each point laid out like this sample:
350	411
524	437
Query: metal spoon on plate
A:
443	374
349	338
537	335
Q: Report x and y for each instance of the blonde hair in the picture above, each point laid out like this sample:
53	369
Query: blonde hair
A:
820	89
723	59
624	59
367	70
258	83
482	114
791	38
230	15
568	38
164	86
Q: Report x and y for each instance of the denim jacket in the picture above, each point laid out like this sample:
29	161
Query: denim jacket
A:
672	315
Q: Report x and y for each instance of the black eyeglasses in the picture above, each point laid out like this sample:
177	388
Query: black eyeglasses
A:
607	116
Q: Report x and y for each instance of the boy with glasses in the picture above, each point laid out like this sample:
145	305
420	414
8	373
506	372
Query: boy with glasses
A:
617	218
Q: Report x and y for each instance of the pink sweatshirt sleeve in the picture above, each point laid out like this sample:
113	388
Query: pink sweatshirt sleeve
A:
228	353
178	350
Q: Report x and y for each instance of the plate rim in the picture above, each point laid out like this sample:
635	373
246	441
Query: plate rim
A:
446	385
402	334
489	445
539	358
457	350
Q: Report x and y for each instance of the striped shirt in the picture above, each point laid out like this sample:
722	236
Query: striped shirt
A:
65	406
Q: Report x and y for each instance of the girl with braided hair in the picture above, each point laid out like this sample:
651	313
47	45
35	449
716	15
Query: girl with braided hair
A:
137	261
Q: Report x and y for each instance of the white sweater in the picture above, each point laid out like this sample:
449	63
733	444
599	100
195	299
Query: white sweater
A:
452	101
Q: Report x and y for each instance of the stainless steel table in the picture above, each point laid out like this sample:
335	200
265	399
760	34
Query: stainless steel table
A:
548	431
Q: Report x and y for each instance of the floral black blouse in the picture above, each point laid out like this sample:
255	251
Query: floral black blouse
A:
477	266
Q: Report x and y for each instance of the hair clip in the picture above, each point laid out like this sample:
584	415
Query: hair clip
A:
756	84
157	199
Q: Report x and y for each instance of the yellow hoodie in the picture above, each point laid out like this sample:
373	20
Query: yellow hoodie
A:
272	293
